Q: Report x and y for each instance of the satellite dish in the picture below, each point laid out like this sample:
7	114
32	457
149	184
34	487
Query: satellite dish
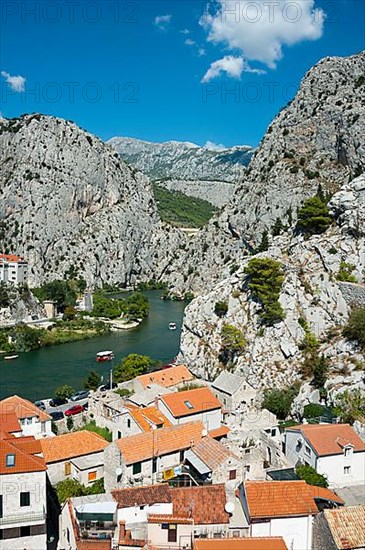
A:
229	507
204	433
118	471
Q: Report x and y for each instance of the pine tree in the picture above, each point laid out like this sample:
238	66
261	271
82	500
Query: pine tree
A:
278	227
264	244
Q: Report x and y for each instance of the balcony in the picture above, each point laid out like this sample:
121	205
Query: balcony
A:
23	519
97	530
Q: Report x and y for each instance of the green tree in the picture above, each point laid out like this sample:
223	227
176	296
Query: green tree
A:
70	423
64	392
350	406
277	227
69	314
133	365
54	427
279	401
4	295
313	217
264	244
314	410
355	328
93	381
320	372
137	306
27	338
233	339
265	281
310	476
221	308
59	291
69	488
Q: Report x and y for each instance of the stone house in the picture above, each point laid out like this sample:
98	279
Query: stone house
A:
211	462
340	529
234	392
333	450
148	396
192	406
23	495
77	455
285	509
33	421
143	458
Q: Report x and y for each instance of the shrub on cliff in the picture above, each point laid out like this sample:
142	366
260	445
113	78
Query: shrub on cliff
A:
313	216
221	309
355	329
265	281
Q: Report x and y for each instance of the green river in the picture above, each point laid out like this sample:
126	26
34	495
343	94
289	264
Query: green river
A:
36	374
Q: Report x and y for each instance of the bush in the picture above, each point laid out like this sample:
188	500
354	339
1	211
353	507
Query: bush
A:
345	273
92	427
278	227
314	410
313	217
279	402
64	392
310	476
69	488
133	365
233	339
320	371
355	329
93	381
221	309
123	392
59	291
350	406
265	282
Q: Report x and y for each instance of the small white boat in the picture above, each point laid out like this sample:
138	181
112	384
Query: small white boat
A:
10	357
172	326
103	356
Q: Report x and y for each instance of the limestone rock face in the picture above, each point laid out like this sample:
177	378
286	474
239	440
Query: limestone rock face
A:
310	292
202	172
23	306
317	139
69	204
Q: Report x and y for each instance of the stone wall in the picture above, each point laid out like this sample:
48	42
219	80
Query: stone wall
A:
322	538
354	294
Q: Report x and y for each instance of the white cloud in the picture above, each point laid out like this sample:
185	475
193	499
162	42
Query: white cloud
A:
260	29
214	146
189	42
201	52
16	83
185	31
162	21
232	66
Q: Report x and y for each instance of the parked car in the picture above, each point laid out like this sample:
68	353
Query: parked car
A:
76	409
57	415
82	394
40	405
57	401
106	386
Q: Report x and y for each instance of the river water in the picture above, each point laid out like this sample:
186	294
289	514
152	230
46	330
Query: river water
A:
36	374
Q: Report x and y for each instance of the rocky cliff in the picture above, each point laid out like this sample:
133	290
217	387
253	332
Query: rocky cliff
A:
69	204
201	172
317	139
311	297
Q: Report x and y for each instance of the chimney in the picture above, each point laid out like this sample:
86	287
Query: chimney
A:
122	530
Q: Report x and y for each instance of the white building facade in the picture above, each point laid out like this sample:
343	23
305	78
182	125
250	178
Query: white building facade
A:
13	269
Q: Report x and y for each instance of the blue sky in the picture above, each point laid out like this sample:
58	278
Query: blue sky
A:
162	70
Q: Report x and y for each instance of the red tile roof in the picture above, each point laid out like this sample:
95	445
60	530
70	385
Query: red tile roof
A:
164	518
347	526
267	499
220	432
190	402
204	504
22	408
25	461
139	447
140	496
148	418
212	452
329	439
247	543
9	423
166	377
11	258
72	445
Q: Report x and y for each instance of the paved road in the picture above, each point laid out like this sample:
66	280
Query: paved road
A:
64	407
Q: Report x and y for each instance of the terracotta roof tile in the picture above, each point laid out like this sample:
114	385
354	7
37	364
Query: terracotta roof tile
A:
189	402
329	439
93	544
11	258
204	504
136	448
28	444
63	447
212	453
267	499
166	377
164	518
25	462
148	417
247	543
9	423
22	408
149	494
220	432
347	526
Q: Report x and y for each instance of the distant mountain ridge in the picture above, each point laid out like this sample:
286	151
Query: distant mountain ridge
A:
207	173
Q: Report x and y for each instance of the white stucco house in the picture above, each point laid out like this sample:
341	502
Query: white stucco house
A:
77	455
33	421
334	450
13	269
23	495
285	509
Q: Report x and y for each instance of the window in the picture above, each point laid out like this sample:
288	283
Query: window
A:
119	435
347	451
91	476
1	506
247	468
137	468
172	533
189	406
10	460
273	432
347	470
308	450
43	427
25	531
128	423
25	499
67	468
154	465
232	474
